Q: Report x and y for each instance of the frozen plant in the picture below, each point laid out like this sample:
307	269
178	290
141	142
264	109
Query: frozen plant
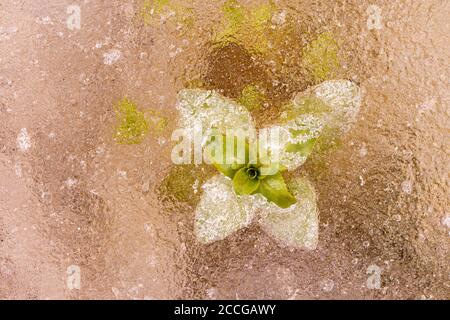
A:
242	194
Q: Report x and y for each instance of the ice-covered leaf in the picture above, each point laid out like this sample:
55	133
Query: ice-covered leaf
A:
220	211
296	226
332	104
211	110
297	138
342	96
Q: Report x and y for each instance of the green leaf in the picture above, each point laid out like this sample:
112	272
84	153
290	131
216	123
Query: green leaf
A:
243	184
270	169
304	148
216	152
275	190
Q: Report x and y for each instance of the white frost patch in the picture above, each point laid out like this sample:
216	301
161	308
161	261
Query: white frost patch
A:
161	141
361	181
363	151
73	280
23	140
174	53
446	221
44	20
18	170
279	18
327	285
70	182
111	56
195	186
212	293
407	186
6	32
428	105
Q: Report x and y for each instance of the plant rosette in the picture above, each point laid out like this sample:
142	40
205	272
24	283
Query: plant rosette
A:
255	191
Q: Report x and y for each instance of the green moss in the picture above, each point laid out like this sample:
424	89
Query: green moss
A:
158	123
152	7
131	124
195	83
183	183
234	14
296	133
328	140
246	26
261	16
320	57
311	105
152	10
252	97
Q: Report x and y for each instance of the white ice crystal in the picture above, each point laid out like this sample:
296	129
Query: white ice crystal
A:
70	182
407	186
111	56
23	140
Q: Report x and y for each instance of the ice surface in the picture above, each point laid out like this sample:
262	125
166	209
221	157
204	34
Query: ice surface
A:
130	241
